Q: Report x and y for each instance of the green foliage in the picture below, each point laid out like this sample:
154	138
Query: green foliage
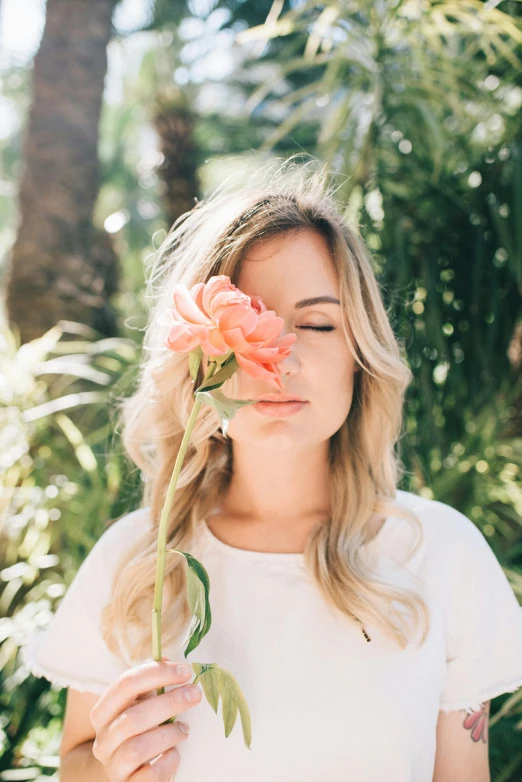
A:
226	370
198	593
226	407
354	66
218	682
61	482
195	357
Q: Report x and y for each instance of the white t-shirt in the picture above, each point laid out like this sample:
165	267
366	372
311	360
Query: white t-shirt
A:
324	702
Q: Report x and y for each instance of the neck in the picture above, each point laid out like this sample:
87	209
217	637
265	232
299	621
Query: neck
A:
278	486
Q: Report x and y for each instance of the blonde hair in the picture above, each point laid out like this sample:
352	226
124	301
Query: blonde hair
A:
210	239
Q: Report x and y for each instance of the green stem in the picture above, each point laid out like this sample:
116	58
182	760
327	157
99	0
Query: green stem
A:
163	528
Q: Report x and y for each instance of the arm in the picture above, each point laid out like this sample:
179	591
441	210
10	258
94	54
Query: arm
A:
77	763
462	746
80	765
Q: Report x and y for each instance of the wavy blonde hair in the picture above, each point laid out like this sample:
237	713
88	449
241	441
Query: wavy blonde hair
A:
213	238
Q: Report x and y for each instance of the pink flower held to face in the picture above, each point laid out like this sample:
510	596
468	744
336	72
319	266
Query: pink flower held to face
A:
219	318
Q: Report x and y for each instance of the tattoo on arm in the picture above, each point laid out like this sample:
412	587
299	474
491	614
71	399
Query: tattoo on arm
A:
477	723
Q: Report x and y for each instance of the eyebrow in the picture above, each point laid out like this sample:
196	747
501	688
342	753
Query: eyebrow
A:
316	300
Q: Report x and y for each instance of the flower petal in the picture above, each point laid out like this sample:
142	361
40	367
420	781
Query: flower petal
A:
215	338
258	304
268	327
186	306
213	286
228	298
257	370
284	343
266	355
181	338
235	339
197	294
237	316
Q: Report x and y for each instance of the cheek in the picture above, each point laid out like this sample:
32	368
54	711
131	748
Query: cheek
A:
336	375
332	360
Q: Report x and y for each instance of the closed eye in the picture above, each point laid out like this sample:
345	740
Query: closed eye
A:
318	328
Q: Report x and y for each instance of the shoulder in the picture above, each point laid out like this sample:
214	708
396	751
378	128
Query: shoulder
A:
438	517
130	525
446	530
122	540
119	538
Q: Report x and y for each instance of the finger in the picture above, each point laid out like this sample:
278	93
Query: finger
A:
146	695
151	693
124	690
144	716
133	753
164	768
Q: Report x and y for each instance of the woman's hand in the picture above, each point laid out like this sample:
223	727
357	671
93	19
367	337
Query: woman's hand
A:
131	742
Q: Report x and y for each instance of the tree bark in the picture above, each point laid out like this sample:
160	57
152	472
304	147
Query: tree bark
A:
60	265
174	123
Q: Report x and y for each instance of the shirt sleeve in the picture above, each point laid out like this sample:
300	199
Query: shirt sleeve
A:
483	623
70	651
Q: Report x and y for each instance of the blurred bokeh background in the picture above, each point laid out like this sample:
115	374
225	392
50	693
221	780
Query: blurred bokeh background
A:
114	118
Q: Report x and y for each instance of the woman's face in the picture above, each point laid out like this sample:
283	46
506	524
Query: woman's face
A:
285	271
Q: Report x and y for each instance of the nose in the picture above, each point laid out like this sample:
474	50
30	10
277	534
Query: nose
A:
291	364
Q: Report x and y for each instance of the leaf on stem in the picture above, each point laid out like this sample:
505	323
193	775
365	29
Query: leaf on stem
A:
226	371
224	359
217	681
198	589
195	357
227	408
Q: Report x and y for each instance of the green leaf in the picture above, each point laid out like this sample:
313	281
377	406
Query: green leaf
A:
234	700
84	452
224	359
210	681
198	591
227	408
216	682
222	403
226	371
195	357
230	709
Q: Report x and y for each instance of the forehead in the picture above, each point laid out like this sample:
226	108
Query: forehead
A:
289	267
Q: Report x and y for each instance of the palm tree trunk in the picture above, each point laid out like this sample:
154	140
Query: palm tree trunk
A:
61	267
174	122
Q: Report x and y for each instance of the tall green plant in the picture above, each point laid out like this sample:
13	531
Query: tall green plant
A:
62	478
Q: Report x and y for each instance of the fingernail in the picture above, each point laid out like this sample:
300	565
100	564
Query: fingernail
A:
192	693
183	670
184	728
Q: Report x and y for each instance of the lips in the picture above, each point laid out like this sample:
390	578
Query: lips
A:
279	409
279	398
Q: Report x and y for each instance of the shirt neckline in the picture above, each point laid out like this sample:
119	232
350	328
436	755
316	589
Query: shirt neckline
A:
277	557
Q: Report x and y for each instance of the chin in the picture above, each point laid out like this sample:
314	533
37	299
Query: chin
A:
276	434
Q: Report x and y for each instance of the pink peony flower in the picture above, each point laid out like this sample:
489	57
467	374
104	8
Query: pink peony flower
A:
220	318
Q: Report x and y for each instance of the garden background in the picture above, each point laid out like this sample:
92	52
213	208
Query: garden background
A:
114	118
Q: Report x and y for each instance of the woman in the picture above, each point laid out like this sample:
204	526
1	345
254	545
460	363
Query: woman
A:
367	627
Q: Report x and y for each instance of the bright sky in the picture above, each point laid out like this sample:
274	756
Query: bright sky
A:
21	28
22	23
